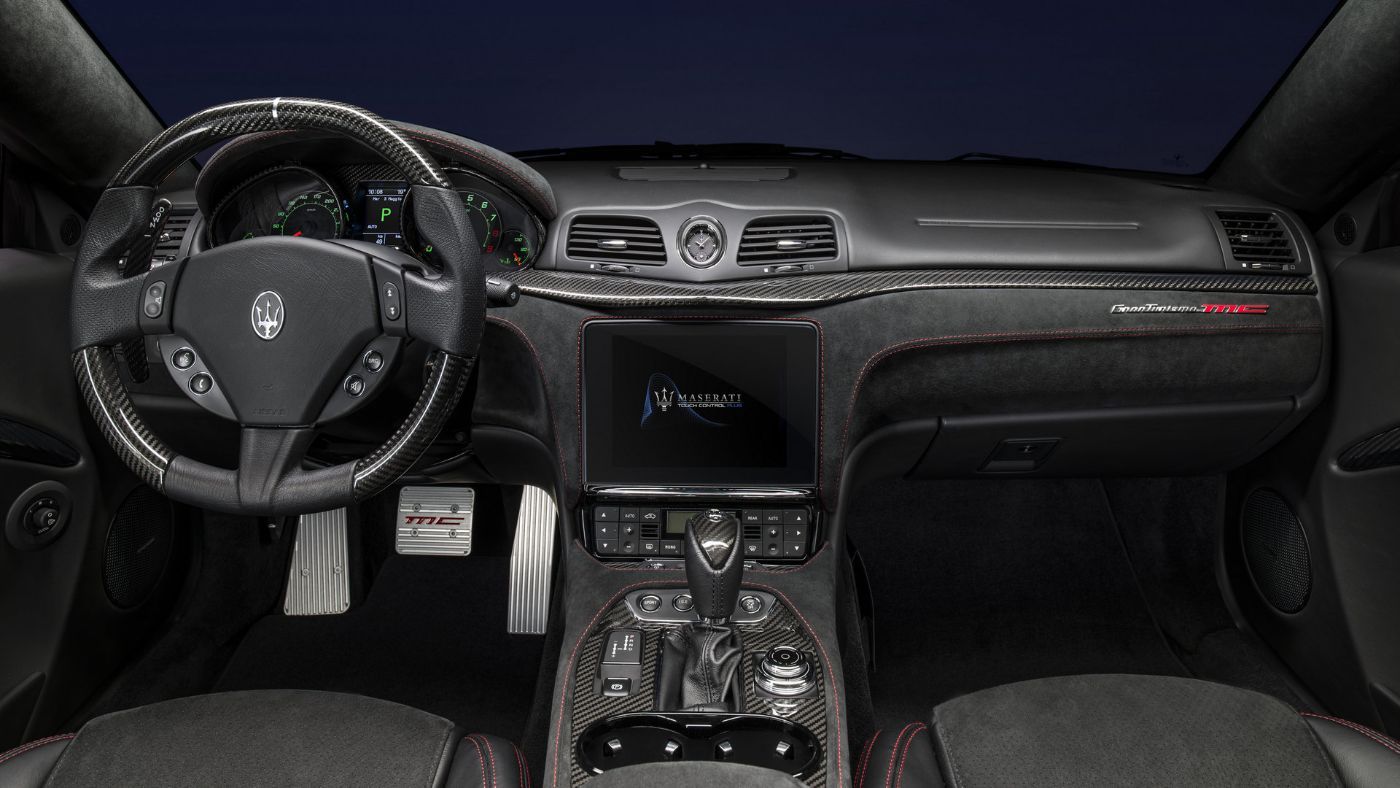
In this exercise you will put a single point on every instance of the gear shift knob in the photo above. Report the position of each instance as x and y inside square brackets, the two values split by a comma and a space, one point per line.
[714, 563]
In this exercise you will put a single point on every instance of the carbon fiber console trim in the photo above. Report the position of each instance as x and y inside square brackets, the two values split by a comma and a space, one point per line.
[780, 628]
[601, 290]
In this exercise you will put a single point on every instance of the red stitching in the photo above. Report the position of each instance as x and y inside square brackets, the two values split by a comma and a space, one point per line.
[481, 761]
[522, 765]
[889, 770]
[909, 742]
[34, 745]
[1001, 337]
[1375, 736]
[544, 385]
[490, 756]
[865, 759]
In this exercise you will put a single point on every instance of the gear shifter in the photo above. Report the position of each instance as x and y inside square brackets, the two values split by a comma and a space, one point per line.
[700, 664]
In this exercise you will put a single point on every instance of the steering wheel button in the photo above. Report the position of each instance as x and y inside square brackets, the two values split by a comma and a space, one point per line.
[201, 383]
[354, 385]
[154, 302]
[183, 358]
[392, 301]
[373, 361]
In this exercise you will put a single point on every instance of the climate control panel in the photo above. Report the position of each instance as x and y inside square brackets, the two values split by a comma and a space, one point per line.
[620, 530]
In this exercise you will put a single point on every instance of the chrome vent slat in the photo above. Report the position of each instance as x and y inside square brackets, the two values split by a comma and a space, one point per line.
[620, 239]
[788, 239]
[1257, 237]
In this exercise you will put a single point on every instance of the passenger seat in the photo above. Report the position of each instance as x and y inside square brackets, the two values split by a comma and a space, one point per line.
[1125, 730]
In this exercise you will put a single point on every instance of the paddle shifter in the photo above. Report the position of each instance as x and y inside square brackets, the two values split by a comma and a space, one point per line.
[701, 661]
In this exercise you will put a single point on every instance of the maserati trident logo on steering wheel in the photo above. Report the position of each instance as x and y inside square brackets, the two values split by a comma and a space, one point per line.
[267, 315]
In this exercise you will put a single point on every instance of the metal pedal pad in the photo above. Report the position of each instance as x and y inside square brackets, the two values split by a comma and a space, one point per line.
[435, 520]
[532, 563]
[319, 583]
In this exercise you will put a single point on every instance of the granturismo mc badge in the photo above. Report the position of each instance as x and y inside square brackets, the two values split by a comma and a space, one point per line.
[1210, 309]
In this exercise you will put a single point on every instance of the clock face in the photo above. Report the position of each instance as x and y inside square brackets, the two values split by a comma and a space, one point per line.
[701, 242]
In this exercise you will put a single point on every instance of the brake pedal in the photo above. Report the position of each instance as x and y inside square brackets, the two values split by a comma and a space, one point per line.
[435, 520]
[532, 563]
[319, 583]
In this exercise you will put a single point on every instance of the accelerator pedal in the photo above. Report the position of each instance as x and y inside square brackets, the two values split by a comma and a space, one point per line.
[532, 563]
[435, 520]
[319, 583]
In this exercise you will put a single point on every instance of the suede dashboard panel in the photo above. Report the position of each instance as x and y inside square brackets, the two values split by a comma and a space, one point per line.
[942, 352]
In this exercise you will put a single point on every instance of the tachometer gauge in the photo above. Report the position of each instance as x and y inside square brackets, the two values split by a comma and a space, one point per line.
[311, 215]
[515, 251]
[486, 219]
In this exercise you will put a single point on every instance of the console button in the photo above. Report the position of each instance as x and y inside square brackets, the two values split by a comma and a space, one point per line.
[794, 517]
[183, 358]
[605, 514]
[672, 750]
[617, 688]
[628, 529]
[649, 603]
[773, 517]
[671, 548]
[373, 361]
[605, 531]
[651, 547]
[201, 383]
[772, 548]
[683, 603]
[753, 549]
[772, 532]
[613, 747]
[629, 514]
[794, 549]
[724, 750]
[750, 603]
[795, 533]
[354, 385]
[650, 514]
[606, 546]
[629, 546]
[752, 517]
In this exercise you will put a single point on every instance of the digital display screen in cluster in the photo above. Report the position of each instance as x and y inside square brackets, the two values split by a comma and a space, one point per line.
[381, 220]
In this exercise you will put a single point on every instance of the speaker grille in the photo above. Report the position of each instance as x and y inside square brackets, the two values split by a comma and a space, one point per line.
[138, 547]
[1277, 551]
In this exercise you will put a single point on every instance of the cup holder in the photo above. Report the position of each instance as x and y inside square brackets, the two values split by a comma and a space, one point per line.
[749, 739]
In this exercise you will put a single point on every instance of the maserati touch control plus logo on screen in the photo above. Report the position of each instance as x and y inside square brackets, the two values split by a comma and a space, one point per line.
[267, 315]
[665, 397]
[1210, 309]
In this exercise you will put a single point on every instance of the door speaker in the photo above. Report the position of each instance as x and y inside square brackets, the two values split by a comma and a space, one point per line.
[1276, 551]
[138, 547]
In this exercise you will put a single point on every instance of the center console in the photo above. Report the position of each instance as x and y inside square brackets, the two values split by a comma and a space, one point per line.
[700, 452]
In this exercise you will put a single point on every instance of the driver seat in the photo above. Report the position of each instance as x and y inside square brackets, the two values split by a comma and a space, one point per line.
[267, 738]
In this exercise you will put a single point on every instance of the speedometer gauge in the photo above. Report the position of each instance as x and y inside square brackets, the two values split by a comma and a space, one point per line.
[311, 215]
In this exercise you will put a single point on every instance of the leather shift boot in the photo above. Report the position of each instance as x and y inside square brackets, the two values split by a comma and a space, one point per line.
[700, 669]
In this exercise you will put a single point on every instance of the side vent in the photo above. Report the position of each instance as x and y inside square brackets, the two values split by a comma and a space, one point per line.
[172, 236]
[1258, 240]
[616, 239]
[784, 240]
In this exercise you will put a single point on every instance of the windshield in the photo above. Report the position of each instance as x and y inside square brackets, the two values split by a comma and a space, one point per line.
[1161, 85]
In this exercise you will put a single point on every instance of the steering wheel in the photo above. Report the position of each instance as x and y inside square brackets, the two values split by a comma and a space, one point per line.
[278, 334]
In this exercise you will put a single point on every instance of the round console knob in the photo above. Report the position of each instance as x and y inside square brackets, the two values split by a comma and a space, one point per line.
[785, 671]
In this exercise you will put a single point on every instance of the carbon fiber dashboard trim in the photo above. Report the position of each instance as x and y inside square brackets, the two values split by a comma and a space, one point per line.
[1378, 451]
[782, 627]
[600, 290]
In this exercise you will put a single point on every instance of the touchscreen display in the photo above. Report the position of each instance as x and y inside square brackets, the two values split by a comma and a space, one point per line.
[700, 404]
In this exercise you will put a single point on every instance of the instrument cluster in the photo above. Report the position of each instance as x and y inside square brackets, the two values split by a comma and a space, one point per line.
[294, 200]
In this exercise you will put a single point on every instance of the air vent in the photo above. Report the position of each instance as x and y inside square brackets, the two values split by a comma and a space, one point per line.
[172, 236]
[616, 239]
[778, 240]
[1258, 240]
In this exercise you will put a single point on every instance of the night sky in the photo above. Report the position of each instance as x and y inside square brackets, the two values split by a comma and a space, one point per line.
[1146, 84]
